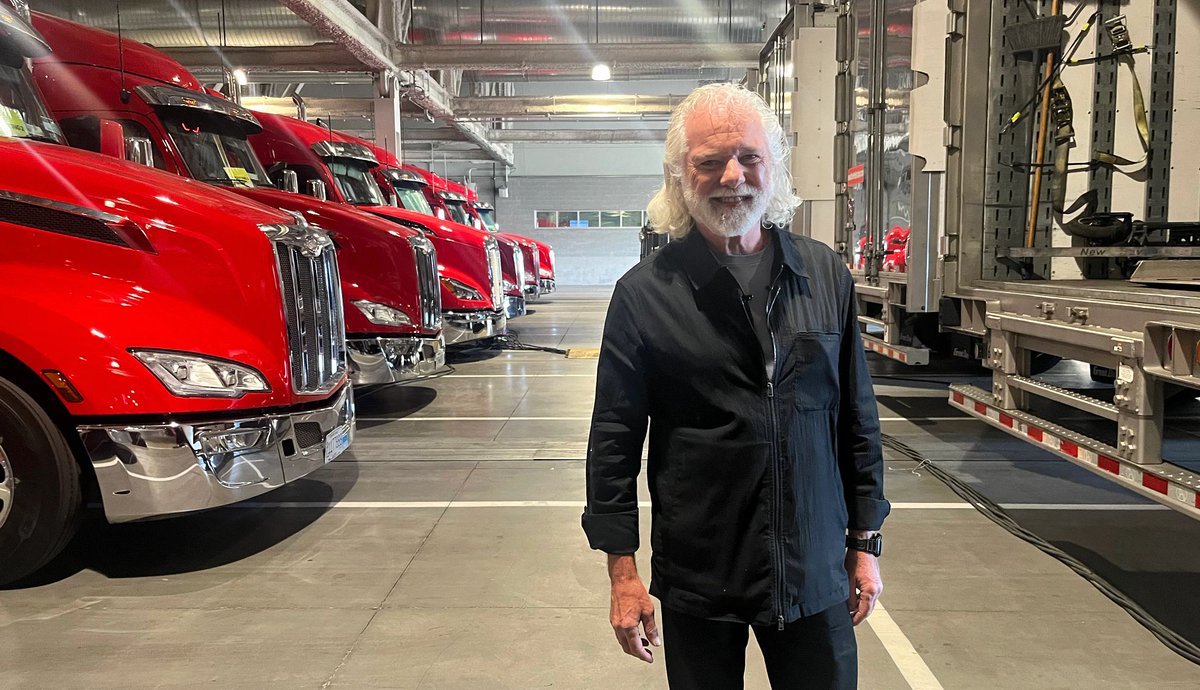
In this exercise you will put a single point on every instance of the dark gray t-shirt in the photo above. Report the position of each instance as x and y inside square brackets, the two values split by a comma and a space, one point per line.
[753, 273]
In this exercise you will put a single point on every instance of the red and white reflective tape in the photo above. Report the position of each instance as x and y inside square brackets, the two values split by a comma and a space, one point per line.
[1091, 454]
[889, 352]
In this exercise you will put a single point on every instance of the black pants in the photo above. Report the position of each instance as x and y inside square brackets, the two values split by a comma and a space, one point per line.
[818, 652]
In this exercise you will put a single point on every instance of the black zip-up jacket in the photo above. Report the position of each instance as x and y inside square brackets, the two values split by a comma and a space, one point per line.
[753, 483]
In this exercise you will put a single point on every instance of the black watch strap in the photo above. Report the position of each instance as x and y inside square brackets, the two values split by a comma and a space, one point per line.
[872, 545]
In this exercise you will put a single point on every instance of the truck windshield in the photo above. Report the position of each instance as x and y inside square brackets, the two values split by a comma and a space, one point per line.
[22, 114]
[412, 198]
[355, 183]
[459, 213]
[489, 218]
[215, 150]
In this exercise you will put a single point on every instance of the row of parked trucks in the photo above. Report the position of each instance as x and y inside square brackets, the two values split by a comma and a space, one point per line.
[181, 326]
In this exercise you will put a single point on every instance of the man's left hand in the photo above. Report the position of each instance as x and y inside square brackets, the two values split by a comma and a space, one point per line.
[865, 583]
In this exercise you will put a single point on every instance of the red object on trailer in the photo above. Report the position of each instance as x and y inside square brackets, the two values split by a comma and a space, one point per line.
[389, 273]
[150, 343]
[468, 259]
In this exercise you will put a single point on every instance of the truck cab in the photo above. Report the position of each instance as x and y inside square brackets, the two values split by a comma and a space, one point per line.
[468, 260]
[156, 355]
[389, 273]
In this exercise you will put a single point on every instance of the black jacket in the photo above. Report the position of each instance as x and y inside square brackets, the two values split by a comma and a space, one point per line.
[753, 483]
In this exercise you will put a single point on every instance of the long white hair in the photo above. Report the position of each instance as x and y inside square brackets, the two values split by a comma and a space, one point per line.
[667, 210]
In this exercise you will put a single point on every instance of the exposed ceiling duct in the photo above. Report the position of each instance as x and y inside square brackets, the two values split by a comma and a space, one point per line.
[577, 56]
[646, 21]
[592, 105]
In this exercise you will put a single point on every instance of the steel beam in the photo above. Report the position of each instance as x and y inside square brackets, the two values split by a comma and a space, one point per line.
[506, 106]
[576, 56]
[322, 57]
[546, 136]
[342, 22]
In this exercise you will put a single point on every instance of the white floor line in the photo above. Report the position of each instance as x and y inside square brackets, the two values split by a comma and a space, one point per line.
[963, 418]
[506, 504]
[910, 664]
[474, 419]
[518, 376]
[408, 505]
[1084, 506]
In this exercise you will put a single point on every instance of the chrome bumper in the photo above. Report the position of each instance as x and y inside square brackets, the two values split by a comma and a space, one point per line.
[164, 469]
[465, 326]
[514, 306]
[547, 285]
[390, 360]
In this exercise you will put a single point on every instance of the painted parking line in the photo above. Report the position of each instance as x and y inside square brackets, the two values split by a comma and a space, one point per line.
[962, 418]
[411, 505]
[910, 664]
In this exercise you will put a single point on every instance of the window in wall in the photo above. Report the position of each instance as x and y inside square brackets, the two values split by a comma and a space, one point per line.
[589, 219]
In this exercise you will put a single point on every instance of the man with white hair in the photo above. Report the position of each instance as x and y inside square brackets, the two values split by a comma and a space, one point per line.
[738, 347]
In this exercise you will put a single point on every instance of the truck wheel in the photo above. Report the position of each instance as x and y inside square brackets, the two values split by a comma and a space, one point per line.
[39, 486]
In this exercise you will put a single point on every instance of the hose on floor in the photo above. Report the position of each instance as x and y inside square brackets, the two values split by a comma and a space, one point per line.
[992, 511]
[512, 341]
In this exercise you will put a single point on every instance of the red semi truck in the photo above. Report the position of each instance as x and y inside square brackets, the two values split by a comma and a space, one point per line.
[408, 187]
[389, 272]
[468, 260]
[512, 263]
[165, 346]
[453, 200]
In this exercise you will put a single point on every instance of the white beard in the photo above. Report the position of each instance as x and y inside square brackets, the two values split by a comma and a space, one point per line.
[727, 222]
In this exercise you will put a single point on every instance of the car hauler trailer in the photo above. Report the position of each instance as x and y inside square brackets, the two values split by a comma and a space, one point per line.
[389, 272]
[1043, 163]
[468, 260]
[165, 346]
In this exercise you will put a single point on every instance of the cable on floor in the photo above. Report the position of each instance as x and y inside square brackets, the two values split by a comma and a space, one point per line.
[992, 511]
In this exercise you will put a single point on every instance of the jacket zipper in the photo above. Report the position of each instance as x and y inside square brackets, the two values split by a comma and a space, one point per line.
[776, 464]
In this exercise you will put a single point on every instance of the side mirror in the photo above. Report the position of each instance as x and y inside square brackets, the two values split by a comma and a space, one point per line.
[112, 139]
[139, 150]
[441, 212]
[316, 188]
[393, 200]
[289, 181]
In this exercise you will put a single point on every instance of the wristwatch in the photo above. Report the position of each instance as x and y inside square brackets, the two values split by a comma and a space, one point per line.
[872, 545]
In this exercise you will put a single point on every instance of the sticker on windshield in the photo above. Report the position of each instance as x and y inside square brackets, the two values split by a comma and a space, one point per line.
[240, 176]
[12, 124]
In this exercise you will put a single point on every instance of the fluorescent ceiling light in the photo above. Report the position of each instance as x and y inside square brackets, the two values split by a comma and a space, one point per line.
[601, 72]
[239, 75]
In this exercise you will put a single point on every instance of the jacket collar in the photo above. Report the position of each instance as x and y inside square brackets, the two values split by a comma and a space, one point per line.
[701, 266]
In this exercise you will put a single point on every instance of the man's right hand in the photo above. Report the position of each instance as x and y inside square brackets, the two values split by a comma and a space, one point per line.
[631, 611]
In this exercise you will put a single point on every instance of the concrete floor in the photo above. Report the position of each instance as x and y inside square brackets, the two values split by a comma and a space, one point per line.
[444, 551]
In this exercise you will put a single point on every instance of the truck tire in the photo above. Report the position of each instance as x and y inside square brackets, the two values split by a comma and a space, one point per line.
[40, 498]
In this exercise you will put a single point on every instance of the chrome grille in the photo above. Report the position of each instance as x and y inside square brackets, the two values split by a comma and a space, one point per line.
[534, 268]
[519, 266]
[312, 303]
[427, 282]
[495, 275]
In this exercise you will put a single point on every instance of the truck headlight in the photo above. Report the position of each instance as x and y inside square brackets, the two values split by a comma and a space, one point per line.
[381, 314]
[509, 286]
[190, 375]
[461, 290]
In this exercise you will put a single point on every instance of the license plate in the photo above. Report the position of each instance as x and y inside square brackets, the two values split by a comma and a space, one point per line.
[336, 442]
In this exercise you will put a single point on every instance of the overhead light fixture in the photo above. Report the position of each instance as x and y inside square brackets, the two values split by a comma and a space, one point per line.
[600, 71]
[239, 75]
